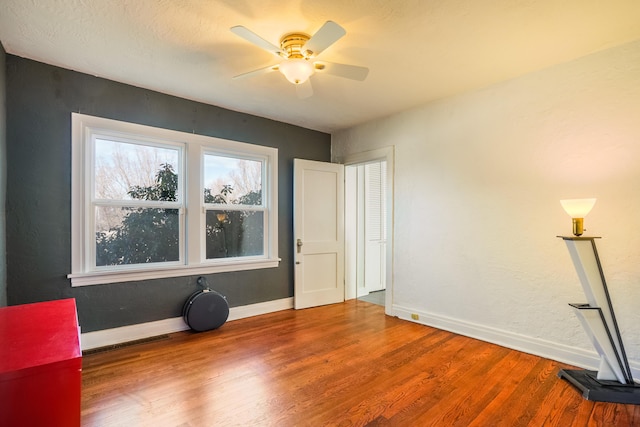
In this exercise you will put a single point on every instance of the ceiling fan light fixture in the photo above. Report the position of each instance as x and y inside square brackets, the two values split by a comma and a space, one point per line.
[297, 70]
[297, 50]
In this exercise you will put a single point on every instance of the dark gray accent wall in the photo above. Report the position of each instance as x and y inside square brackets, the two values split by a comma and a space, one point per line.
[40, 100]
[3, 178]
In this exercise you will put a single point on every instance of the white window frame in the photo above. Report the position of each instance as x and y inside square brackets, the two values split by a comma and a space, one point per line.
[192, 208]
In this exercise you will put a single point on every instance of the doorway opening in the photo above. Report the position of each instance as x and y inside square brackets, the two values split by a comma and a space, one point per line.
[368, 227]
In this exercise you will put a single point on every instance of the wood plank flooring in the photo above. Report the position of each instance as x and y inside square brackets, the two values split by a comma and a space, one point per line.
[340, 365]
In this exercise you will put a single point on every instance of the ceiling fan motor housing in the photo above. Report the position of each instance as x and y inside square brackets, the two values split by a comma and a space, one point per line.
[292, 44]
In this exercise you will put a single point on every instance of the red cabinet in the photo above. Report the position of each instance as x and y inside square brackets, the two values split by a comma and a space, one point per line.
[40, 364]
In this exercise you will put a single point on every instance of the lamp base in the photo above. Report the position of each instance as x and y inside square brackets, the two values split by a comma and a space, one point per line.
[599, 390]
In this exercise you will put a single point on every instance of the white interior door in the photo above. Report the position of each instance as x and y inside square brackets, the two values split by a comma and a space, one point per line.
[318, 216]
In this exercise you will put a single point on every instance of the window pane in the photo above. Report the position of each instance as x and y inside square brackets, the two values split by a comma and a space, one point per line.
[230, 180]
[126, 171]
[142, 235]
[234, 233]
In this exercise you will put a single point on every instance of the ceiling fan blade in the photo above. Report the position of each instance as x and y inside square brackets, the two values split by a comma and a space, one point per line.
[304, 90]
[352, 72]
[252, 37]
[327, 35]
[257, 72]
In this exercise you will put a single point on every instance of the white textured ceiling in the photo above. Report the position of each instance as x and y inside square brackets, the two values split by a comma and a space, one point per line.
[417, 50]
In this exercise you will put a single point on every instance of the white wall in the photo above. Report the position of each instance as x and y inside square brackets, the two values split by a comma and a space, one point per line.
[478, 179]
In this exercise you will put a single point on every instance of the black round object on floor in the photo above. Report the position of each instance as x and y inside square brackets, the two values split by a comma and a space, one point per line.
[206, 310]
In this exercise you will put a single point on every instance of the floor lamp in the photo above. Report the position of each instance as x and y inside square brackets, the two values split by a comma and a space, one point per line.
[613, 381]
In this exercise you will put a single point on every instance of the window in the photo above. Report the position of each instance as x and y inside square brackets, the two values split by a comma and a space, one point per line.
[150, 203]
[234, 209]
[135, 202]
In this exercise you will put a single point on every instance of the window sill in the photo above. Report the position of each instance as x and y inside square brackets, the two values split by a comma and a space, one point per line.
[104, 277]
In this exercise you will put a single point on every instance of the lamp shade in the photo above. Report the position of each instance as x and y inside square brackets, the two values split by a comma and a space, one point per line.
[578, 208]
[297, 70]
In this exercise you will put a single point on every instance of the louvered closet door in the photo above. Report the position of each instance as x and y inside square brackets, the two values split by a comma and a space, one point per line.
[375, 223]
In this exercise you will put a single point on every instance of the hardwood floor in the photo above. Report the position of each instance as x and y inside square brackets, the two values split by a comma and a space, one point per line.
[342, 365]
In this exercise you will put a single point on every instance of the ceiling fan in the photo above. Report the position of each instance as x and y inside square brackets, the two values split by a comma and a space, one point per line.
[299, 51]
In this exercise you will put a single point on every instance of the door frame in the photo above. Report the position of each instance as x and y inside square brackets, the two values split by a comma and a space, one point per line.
[387, 154]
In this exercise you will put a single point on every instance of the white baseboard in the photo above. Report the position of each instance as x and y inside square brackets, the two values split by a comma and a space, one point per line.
[107, 337]
[243, 311]
[550, 350]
